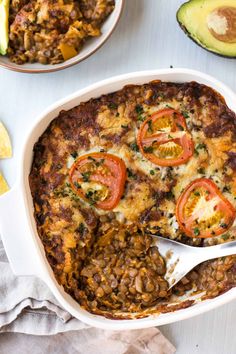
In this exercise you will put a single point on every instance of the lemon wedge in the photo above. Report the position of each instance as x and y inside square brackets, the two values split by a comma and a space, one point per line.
[5, 143]
[3, 185]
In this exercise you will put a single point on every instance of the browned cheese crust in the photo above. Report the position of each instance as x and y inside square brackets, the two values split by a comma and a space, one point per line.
[103, 259]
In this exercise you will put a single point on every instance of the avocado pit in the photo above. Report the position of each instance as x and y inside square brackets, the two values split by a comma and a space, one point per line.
[222, 24]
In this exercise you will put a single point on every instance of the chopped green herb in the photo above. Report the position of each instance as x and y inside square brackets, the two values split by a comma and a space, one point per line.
[89, 194]
[67, 192]
[57, 192]
[201, 170]
[141, 118]
[185, 114]
[201, 146]
[227, 189]
[150, 126]
[81, 228]
[134, 146]
[225, 236]
[92, 196]
[197, 194]
[223, 225]
[196, 231]
[170, 195]
[112, 105]
[131, 174]
[74, 154]
[139, 109]
[148, 149]
[86, 176]
[152, 172]
[180, 126]
[77, 185]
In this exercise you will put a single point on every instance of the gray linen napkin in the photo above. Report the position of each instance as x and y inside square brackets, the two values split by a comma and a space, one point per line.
[27, 306]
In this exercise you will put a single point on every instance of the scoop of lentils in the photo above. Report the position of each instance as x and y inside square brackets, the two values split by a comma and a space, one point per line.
[124, 272]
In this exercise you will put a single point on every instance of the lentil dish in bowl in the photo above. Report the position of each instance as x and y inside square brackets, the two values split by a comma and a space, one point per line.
[156, 158]
[202, 290]
[57, 33]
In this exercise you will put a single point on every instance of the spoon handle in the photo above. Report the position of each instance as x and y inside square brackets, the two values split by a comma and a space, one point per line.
[225, 249]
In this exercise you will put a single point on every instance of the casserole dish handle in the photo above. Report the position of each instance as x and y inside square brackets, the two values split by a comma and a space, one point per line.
[16, 236]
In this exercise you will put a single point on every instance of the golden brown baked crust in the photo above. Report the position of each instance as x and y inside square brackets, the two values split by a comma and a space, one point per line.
[70, 228]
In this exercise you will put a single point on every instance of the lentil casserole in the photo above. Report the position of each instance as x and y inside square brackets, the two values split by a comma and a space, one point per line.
[52, 31]
[103, 258]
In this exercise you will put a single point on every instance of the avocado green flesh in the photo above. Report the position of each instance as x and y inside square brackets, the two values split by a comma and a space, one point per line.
[192, 17]
[4, 15]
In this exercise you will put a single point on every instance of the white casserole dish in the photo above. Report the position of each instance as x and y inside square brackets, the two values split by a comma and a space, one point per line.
[17, 226]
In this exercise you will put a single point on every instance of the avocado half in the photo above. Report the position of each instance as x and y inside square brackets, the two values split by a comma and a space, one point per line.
[4, 26]
[211, 24]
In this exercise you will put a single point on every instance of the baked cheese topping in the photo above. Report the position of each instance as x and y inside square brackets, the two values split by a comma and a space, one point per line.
[70, 227]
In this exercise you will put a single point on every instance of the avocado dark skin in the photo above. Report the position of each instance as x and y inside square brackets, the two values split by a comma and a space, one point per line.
[183, 26]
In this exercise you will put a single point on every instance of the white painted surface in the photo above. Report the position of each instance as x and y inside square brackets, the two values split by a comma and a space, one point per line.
[148, 37]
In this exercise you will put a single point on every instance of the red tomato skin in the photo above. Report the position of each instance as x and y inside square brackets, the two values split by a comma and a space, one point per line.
[186, 142]
[116, 184]
[213, 189]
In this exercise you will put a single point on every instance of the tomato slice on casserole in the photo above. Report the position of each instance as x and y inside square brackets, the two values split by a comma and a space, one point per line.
[164, 138]
[202, 211]
[99, 178]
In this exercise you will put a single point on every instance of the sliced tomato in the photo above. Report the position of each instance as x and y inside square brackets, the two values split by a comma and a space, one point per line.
[164, 138]
[202, 211]
[99, 178]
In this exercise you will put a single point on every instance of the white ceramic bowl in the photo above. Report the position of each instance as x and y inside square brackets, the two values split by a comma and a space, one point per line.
[17, 225]
[90, 46]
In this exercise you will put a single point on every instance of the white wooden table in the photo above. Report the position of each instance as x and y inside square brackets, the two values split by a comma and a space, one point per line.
[147, 37]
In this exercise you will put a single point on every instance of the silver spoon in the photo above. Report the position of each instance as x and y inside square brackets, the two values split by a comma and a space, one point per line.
[181, 258]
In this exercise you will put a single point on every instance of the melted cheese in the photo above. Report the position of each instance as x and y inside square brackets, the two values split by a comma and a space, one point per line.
[135, 202]
[209, 158]
[112, 123]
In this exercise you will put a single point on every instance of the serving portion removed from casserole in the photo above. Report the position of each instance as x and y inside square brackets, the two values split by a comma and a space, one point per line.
[158, 158]
[50, 31]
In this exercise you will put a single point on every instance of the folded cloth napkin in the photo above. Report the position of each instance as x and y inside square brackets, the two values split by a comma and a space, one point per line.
[27, 306]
